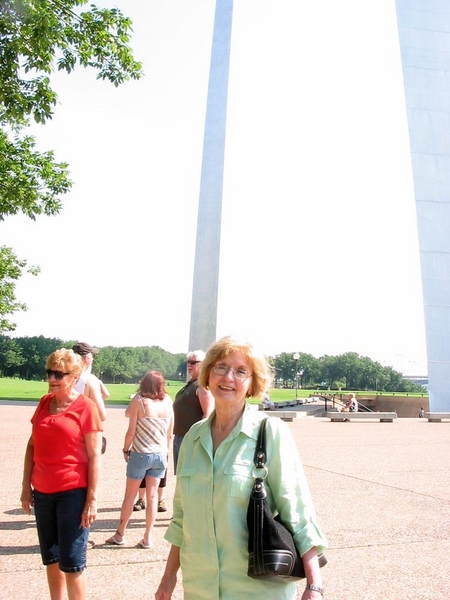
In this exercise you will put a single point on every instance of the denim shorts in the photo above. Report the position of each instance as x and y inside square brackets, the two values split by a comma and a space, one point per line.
[58, 519]
[146, 465]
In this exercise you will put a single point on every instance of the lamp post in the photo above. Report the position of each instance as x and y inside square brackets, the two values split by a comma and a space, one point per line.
[300, 374]
[296, 356]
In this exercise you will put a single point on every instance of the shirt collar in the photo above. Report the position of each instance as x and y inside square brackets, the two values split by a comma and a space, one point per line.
[245, 425]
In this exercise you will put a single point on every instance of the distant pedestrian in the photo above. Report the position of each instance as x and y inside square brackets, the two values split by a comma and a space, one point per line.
[421, 412]
[351, 405]
[267, 402]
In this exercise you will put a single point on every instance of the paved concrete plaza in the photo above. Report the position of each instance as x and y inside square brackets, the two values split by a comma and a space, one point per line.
[381, 491]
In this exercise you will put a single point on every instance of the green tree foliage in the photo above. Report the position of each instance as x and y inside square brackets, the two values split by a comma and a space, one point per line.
[347, 371]
[128, 364]
[288, 371]
[11, 269]
[25, 357]
[284, 369]
[11, 357]
[30, 181]
[37, 37]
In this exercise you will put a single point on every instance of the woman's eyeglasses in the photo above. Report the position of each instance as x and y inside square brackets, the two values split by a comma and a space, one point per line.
[58, 375]
[240, 374]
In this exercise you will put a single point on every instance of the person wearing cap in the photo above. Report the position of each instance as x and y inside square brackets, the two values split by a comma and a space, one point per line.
[88, 384]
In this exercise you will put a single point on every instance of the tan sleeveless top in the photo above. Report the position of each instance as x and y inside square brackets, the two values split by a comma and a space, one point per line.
[151, 434]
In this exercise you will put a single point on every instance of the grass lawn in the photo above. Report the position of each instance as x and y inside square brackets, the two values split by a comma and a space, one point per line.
[20, 389]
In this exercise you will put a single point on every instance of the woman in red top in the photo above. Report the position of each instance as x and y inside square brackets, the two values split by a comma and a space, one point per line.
[61, 474]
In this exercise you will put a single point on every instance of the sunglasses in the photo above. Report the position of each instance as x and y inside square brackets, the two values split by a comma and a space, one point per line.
[58, 375]
[193, 362]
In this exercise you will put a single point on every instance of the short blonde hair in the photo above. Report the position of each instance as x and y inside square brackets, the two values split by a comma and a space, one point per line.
[262, 372]
[65, 360]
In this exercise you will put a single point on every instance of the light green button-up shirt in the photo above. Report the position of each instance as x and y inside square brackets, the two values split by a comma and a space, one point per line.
[210, 508]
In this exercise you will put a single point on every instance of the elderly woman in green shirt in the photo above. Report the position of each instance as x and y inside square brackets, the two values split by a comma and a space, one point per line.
[208, 533]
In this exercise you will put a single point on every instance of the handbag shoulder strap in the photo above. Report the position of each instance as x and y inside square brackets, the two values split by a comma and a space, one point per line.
[260, 457]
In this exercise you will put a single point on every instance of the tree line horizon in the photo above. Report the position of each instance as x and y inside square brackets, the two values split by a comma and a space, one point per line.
[24, 358]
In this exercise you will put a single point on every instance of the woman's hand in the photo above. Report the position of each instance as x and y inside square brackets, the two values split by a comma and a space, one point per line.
[313, 575]
[93, 442]
[165, 590]
[26, 499]
[89, 514]
[311, 595]
[169, 579]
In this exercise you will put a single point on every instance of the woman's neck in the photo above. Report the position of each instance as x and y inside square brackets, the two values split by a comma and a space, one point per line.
[63, 399]
[228, 416]
[224, 422]
[60, 404]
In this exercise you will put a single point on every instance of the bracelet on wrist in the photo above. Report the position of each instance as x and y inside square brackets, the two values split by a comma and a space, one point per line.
[315, 588]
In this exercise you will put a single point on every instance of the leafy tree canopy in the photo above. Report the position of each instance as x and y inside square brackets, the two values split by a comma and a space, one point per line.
[347, 371]
[11, 269]
[25, 357]
[36, 38]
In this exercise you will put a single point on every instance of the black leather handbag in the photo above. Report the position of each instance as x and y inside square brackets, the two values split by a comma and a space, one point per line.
[272, 551]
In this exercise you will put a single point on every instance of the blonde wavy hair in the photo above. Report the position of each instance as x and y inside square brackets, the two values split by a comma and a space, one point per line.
[65, 360]
[262, 372]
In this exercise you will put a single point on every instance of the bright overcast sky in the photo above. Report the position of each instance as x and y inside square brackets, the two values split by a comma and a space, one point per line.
[319, 248]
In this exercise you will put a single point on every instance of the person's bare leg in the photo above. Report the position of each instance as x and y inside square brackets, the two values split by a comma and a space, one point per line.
[76, 585]
[151, 487]
[126, 511]
[160, 493]
[56, 582]
[127, 504]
